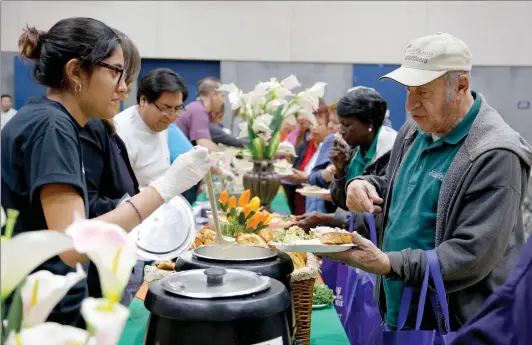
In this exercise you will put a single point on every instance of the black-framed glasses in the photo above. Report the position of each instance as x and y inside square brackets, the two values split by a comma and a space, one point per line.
[170, 111]
[114, 68]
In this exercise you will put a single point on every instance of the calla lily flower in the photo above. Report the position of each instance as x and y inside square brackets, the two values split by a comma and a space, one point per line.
[234, 95]
[2, 217]
[291, 82]
[273, 104]
[262, 123]
[24, 252]
[110, 249]
[104, 319]
[42, 291]
[309, 99]
[51, 333]
[243, 126]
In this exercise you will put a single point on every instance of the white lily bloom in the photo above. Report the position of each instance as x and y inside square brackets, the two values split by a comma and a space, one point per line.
[2, 217]
[273, 104]
[111, 250]
[309, 99]
[262, 123]
[106, 320]
[263, 88]
[291, 109]
[309, 115]
[290, 82]
[51, 333]
[42, 291]
[243, 126]
[24, 252]
[234, 95]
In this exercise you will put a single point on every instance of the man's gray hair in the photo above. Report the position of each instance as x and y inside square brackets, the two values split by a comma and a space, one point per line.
[451, 81]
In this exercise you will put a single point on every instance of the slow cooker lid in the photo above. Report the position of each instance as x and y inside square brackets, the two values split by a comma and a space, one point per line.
[234, 253]
[215, 282]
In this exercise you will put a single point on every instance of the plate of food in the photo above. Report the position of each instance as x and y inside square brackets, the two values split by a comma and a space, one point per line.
[283, 167]
[319, 240]
[313, 191]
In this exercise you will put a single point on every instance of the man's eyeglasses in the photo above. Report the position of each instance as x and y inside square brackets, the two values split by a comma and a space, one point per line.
[119, 71]
[170, 111]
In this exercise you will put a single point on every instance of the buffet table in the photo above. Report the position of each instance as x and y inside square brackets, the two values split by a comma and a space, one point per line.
[326, 328]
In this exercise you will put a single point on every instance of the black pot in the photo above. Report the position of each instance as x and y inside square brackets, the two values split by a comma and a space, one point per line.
[217, 306]
[265, 261]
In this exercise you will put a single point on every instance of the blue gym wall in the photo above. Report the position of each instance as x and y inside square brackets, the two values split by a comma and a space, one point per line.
[394, 93]
[191, 70]
[24, 85]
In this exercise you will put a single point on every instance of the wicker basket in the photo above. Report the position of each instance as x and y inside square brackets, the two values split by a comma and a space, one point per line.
[302, 281]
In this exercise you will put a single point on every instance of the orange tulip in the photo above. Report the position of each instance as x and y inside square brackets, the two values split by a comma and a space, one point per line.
[223, 198]
[268, 219]
[254, 204]
[253, 222]
[246, 210]
[244, 198]
[232, 202]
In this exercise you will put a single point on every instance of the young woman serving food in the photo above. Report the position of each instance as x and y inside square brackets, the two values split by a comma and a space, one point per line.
[80, 61]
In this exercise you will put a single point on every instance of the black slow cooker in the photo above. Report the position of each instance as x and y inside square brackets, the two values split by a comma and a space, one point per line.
[262, 260]
[217, 306]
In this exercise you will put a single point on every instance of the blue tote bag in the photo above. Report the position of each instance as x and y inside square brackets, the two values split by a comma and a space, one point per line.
[417, 336]
[355, 303]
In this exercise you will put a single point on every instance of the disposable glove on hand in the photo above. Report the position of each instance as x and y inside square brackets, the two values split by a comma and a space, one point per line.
[186, 170]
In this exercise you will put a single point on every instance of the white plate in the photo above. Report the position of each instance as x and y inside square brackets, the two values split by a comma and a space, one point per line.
[311, 248]
[319, 306]
[285, 173]
[319, 193]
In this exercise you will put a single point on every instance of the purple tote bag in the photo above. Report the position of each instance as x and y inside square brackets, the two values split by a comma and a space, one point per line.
[417, 336]
[354, 302]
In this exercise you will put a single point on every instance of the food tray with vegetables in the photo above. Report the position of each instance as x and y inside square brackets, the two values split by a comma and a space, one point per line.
[319, 240]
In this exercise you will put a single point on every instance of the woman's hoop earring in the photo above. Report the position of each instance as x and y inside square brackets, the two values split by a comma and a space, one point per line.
[77, 88]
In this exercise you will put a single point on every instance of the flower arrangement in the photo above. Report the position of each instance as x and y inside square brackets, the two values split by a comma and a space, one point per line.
[35, 295]
[266, 108]
[242, 216]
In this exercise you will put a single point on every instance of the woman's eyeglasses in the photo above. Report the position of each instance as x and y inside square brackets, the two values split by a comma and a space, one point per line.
[118, 70]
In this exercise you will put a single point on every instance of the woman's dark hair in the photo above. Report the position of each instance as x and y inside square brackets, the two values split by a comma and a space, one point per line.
[131, 57]
[364, 103]
[158, 81]
[85, 39]
[131, 69]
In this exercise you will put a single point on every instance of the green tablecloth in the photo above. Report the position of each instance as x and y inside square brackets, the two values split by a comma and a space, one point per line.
[326, 328]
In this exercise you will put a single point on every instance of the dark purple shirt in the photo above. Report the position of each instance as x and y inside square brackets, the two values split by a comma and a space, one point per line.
[195, 122]
[505, 317]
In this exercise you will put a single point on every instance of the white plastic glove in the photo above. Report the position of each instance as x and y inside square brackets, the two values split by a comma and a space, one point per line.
[186, 170]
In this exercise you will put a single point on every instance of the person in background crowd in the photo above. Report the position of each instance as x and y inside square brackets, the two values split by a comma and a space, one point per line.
[144, 127]
[365, 145]
[299, 139]
[195, 120]
[80, 61]
[307, 156]
[323, 171]
[7, 109]
[108, 173]
[178, 143]
[364, 149]
[195, 123]
[220, 136]
[455, 183]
